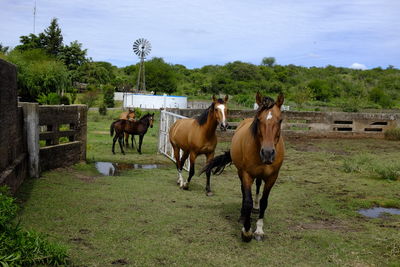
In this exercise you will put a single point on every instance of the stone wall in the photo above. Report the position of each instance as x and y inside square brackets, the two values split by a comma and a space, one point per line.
[13, 149]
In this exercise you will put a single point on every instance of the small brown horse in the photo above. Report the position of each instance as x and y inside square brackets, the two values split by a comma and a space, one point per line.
[138, 127]
[196, 136]
[257, 151]
[130, 116]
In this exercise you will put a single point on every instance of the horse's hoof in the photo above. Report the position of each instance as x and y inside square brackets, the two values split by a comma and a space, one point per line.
[255, 210]
[209, 194]
[185, 186]
[247, 237]
[259, 237]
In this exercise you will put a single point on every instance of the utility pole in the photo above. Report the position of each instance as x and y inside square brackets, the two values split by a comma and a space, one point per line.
[34, 18]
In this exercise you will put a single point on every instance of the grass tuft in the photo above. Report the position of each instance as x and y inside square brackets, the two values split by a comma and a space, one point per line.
[393, 134]
[389, 171]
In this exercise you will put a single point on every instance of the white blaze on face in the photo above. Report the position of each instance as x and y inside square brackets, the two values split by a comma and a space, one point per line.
[222, 108]
[269, 116]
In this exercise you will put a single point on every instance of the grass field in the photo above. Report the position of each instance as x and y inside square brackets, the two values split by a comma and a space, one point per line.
[141, 218]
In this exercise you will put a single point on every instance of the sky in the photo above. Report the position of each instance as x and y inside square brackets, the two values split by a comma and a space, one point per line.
[361, 34]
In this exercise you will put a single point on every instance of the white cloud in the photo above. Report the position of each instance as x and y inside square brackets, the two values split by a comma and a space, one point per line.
[358, 66]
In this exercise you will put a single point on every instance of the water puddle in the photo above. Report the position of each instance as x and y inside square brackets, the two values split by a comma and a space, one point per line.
[378, 211]
[114, 169]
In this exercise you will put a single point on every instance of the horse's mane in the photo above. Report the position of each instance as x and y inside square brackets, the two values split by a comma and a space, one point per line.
[202, 118]
[144, 117]
[267, 103]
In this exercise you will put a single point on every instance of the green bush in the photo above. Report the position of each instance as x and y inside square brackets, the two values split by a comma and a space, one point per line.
[138, 113]
[64, 100]
[49, 99]
[89, 98]
[24, 248]
[103, 110]
[393, 134]
[108, 95]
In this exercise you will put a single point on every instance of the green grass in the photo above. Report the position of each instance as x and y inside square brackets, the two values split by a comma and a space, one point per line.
[143, 219]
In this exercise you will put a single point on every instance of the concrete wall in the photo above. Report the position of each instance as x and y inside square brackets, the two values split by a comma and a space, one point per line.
[317, 124]
[13, 150]
[155, 101]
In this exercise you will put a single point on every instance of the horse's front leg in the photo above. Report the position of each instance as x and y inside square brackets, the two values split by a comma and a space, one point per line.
[209, 157]
[256, 206]
[247, 206]
[259, 233]
[140, 143]
[133, 141]
[180, 164]
[126, 140]
[192, 159]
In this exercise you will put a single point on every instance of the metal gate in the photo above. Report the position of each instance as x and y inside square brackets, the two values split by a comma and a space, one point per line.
[164, 146]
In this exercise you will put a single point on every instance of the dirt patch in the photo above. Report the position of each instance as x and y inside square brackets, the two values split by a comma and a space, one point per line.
[306, 146]
[324, 225]
[81, 241]
[79, 175]
[120, 262]
[85, 231]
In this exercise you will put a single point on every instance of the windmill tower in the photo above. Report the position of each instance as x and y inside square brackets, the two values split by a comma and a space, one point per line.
[142, 48]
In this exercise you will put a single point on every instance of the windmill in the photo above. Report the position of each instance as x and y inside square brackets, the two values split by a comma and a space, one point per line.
[142, 48]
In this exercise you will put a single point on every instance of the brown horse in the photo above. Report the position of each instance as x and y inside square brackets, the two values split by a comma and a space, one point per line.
[257, 151]
[130, 116]
[196, 136]
[138, 127]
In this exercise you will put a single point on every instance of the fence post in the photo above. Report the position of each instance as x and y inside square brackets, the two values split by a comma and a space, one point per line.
[31, 128]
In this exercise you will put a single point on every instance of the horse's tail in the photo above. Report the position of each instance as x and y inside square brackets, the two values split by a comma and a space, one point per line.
[218, 164]
[112, 128]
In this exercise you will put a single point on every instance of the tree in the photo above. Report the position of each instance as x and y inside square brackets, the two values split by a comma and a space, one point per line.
[3, 49]
[241, 71]
[160, 76]
[268, 61]
[108, 96]
[38, 73]
[29, 42]
[73, 55]
[53, 39]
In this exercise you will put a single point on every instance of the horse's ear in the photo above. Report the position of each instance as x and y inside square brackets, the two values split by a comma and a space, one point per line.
[280, 100]
[226, 98]
[259, 99]
[214, 99]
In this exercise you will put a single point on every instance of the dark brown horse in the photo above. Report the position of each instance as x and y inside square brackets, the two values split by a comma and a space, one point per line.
[196, 136]
[138, 127]
[257, 151]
